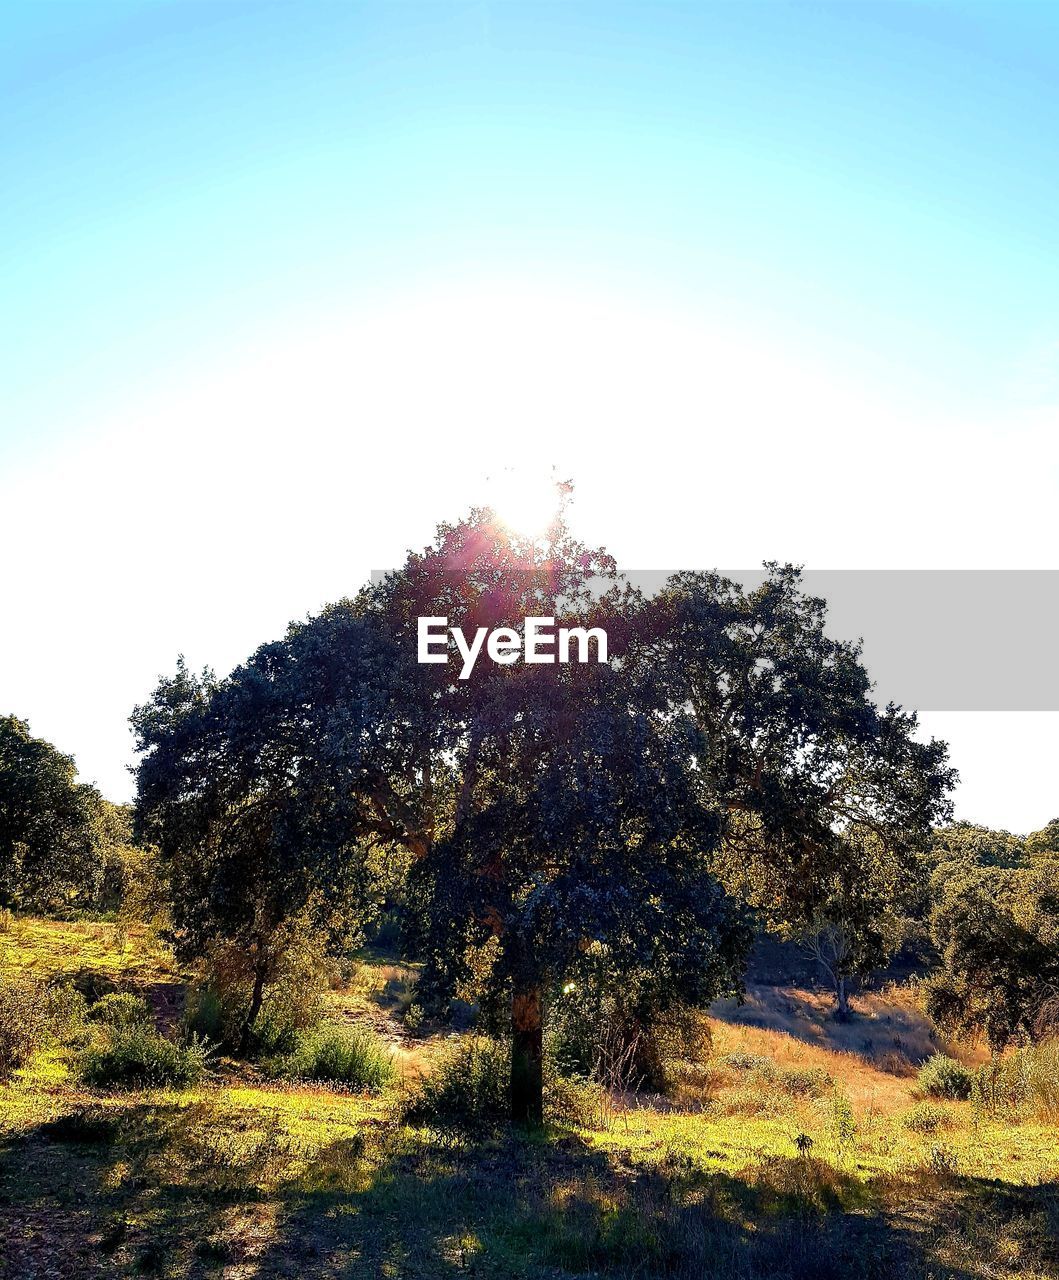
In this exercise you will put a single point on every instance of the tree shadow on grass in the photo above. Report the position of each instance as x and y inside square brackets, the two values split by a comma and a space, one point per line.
[560, 1209]
[888, 1036]
[187, 1190]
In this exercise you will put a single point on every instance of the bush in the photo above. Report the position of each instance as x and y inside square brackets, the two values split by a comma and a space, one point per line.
[204, 1016]
[574, 1100]
[752, 1099]
[927, 1117]
[805, 1082]
[138, 1057]
[293, 994]
[356, 1058]
[467, 1091]
[1041, 1068]
[120, 1009]
[66, 1012]
[1024, 1082]
[597, 1035]
[696, 1084]
[750, 1062]
[942, 1077]
[24, 1023]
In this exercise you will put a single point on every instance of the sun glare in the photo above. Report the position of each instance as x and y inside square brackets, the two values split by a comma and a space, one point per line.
[526, 501]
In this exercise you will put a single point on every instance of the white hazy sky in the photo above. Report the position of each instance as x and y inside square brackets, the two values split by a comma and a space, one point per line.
[283, 284]
[203, 515]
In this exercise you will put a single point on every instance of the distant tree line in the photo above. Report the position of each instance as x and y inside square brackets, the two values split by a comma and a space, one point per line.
[994, 918]
[63, 846]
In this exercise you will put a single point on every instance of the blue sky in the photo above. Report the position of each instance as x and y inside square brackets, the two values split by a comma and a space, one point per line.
[285, 283]
[880, 178]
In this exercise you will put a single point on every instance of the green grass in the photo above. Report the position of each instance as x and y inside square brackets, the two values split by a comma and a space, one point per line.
[351, 1057]
[790, 1161]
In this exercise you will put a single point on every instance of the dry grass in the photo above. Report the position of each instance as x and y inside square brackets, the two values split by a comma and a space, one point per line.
[889, 1027]
[48, 949]
[866, 1084]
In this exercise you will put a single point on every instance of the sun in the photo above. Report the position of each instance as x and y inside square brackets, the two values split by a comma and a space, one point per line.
[526, 501]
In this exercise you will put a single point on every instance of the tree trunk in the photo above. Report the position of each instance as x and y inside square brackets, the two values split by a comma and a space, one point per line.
[527, 1057]
[843, 997]
[256, 998]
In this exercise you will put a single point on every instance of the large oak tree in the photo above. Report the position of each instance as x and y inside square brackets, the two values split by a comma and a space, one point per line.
[547, 810]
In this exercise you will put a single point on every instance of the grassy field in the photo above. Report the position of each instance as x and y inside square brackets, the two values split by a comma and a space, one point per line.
[798, 1149]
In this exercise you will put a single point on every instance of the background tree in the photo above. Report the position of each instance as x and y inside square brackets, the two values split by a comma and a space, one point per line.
[965, 844]
[1044, 841]
[997, 933]
[861, 923]
[255, 821]
[828, 799]
[51, 826]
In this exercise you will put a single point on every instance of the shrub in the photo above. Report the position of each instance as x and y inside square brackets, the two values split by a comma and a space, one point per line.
[355, 1057]
[293, 995]
[999, 1086]
[288, 1013]
[204, 1015]
[1041, 1069]
[695, 1084]
[942, 1077]
[1023, 1082]
[138, 1057]
[467, 1091]
[597, 1034]
[573, 1100]
[756, 1095]
[120, 1009]
[927, 1117]
[66, 1011]
[805, 1082]
[749, 1062]
[24, 1023]
[842, 1125]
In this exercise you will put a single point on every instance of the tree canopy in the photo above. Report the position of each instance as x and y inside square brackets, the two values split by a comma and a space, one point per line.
[997, 931]
[994, 919]
[53, 829]
[628, 810]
